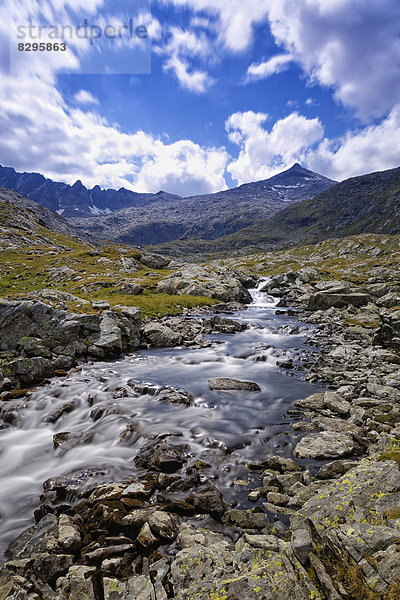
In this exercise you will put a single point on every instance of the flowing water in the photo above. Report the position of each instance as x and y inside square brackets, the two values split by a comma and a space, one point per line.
[225, 429]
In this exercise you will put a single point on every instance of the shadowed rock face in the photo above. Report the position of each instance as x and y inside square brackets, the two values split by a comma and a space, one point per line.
[41, 339]
[388, 334]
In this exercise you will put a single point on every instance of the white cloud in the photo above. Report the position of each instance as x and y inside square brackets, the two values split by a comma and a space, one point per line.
[263, 152]
[40, 132]
[351, 46]
[181, 46]
[193, 80]
[236, 18]
[267, 151]
[201, 22]
[85, 97]
[262, 70]
[371, 149]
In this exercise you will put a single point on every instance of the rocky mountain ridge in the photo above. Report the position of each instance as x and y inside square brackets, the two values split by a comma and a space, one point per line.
[73, 200]
[134, 218]
[366, 204]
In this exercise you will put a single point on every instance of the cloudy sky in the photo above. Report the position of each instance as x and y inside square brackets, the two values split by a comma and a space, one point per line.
[239, 90]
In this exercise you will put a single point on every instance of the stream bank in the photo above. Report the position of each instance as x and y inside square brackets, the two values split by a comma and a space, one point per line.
[165, 530]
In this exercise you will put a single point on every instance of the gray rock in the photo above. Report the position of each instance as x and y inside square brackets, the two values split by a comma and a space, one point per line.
[28, 371]
[210, 569]
[69, 534]
[350, 516]
[161, 336]
[227, 384]
[77, 584]
[129, 288]
[100, 554]
[145, 537]
[130, 265]
[314, 402]
[100, 305]
[67, 440]
[302, 544]
[338, 299]
[276, 463]
[224, 325]
[195, 280]
[138, 587]
[327, 444]
[59, 412]
[38, 539]
[277, 498]
[336, 403]
[154, 261]
[207, 499]
[336, 469]
[246, 519]
[74, 483]
[163, 525]
[175, 397]
[162, 456]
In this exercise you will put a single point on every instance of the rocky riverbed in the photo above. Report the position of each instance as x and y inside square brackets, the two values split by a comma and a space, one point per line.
[314, 472]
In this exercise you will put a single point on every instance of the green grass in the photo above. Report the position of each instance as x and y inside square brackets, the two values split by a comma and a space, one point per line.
[350, 258]
[25, 270]
[390, 455]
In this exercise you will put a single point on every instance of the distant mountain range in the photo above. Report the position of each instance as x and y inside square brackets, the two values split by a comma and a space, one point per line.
[365, 204]
[73, 200]
[294, 207]
[155, 218]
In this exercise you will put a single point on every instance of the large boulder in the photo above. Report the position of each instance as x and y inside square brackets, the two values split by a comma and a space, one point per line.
[154, 261]
[195, 280]
[41, 339]
[209, 566]
[337, 298]
[326, 444]
[226, 384]
[356, 519]
[161, 336]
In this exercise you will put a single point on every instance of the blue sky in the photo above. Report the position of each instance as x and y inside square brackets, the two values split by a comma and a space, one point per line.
[238, 91]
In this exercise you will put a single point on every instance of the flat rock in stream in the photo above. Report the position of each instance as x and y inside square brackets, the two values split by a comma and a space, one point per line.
[226, 384]
[79, 483]
[327, 444]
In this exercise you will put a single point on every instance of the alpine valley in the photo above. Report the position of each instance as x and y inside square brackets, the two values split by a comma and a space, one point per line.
[155, 218]
[200, 397]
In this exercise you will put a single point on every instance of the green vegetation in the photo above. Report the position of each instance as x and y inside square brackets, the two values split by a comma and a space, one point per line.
[390, 455]
[96, 274]
[353, 259]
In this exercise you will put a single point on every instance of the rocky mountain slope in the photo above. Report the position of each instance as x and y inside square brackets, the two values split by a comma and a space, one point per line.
[155, 218]
[25, 223]
[209, 216]
[370, 203]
